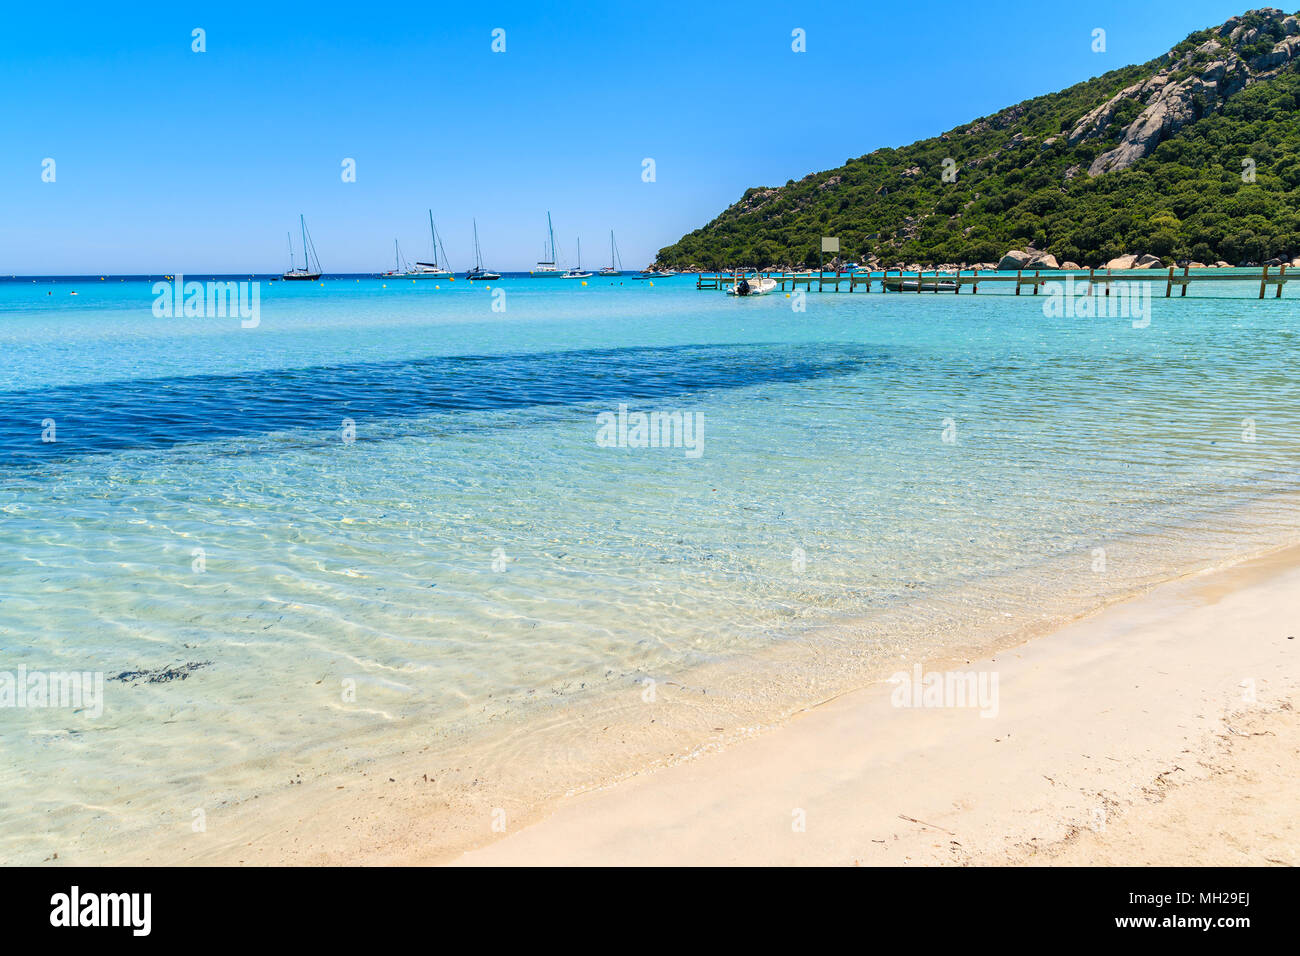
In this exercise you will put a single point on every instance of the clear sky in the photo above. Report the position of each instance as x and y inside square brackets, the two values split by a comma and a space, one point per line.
[170, 160]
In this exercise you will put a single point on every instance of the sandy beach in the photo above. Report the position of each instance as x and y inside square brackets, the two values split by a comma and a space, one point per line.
[1158, 731]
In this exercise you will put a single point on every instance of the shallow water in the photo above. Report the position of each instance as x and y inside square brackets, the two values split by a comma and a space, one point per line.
[466, 551]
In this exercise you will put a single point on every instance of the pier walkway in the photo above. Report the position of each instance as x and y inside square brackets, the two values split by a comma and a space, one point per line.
[896, 280]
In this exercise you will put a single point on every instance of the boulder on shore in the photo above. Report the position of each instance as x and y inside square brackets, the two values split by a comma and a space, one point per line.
[1122, 262]
[1149, 262]
[1072, 266]
[1015, 259]
[1043, 260]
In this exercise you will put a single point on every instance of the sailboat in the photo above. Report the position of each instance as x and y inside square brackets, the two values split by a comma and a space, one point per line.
[399, 269]
[478, 272]
[576, 272]
[546, 268]
[308, 253]
[615, 267]
[431, 270]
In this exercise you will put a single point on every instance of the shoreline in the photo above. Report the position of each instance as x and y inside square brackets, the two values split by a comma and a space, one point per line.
[1099, 723]
[433, 804]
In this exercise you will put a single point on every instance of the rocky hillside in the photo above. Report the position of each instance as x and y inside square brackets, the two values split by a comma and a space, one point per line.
[1192, 156]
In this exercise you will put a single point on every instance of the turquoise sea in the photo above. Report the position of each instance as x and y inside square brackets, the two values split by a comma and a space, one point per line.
[381, 519]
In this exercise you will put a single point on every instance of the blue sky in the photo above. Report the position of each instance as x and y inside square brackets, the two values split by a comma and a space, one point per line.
[170, 160]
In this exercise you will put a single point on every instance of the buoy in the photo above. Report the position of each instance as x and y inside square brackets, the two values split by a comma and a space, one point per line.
[437, 287]
[385, 285]
[584, 281]
[651, 283]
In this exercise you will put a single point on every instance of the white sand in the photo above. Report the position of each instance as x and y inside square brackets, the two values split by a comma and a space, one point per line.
[1127, 737]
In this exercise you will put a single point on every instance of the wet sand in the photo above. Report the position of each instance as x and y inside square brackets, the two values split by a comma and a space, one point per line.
[1157, 731]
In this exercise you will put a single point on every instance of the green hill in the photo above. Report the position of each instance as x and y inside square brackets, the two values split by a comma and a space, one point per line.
[1192, 156]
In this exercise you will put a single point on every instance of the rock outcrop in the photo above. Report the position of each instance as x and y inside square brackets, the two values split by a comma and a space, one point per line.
[1195, 85]
[1015, 259]
[1032, 259]
[1028, 259]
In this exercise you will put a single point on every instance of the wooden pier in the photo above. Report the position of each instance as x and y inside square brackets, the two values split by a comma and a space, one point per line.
[896, 280]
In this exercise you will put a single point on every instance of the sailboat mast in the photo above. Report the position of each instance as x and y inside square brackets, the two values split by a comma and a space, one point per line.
[289, 236]
[306, 262]
[551, 232]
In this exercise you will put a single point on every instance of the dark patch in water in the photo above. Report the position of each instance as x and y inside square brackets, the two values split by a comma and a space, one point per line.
[161, 675]
[105, 417]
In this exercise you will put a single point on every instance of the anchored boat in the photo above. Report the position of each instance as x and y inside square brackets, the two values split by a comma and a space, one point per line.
[308, 254]
[576, 272]
[478, 272]
[917, 284]
[615, 267]
[546, 268]
[431, 270]
[745, 286]
[400, 268]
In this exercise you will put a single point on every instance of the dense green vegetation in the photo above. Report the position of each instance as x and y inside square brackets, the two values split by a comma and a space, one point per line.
[1020, 183]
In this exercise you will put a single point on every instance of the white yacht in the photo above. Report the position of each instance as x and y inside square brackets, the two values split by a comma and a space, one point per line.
[546, 268]
[432, 270]
[576, 272]
[615, 267]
